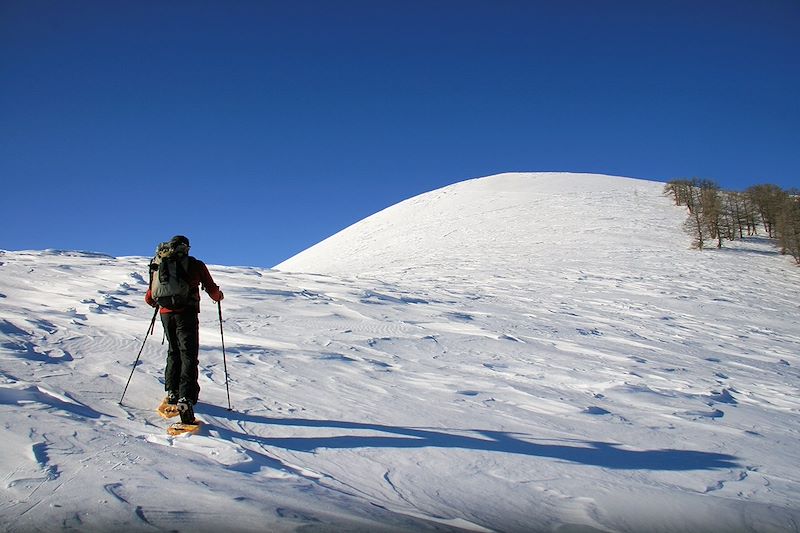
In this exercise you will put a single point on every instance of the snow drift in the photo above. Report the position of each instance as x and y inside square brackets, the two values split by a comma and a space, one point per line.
[524, 352]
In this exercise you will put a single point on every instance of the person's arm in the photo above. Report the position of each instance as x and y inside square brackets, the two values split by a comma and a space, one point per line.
[208, 283]
[148, 296]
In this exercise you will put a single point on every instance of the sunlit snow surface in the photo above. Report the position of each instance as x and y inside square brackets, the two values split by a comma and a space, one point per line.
[526, 352]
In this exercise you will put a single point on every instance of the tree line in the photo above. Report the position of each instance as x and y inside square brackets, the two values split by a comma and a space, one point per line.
[716, 215]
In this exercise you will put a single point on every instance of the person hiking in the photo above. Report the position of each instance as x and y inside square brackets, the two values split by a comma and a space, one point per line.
[175, 278]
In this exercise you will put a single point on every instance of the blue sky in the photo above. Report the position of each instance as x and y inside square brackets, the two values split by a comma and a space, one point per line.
[258, 128]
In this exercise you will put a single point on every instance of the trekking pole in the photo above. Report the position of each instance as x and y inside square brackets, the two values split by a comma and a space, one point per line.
[224, 361]
[149, 332]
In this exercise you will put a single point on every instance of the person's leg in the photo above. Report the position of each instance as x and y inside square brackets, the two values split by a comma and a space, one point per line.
[187, 330]
[172, 372]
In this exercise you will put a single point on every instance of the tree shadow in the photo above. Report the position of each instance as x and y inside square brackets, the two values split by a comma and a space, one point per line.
[771, 246]
[592, 453]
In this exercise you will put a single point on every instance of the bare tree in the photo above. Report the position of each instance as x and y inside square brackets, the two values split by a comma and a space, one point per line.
[711, 210]
[714, 214]
[734, 213]
[787, 225]
[750, 215]
[681, 191]
[768, 200]
[694, 224]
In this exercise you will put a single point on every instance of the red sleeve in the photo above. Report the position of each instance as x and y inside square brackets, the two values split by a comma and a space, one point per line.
[208, 282]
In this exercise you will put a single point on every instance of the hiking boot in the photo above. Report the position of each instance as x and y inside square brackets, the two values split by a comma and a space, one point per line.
[186, 411]
[172, 398]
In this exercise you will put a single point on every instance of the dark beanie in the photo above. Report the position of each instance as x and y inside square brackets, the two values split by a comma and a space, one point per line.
[179, 239]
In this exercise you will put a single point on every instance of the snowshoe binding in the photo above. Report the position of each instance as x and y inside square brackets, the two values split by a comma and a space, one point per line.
[169, 406]
[188, 423]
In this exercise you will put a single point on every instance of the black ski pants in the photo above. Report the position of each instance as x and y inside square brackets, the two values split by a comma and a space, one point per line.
[182, 330]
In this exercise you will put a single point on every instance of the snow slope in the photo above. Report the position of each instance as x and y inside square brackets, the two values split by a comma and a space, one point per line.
[523, 223]
[534, 352]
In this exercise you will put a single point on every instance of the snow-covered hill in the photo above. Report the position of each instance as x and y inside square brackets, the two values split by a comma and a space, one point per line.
[523, 223]
[525, 352]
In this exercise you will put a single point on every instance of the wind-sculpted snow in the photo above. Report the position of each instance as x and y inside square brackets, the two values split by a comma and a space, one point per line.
[614, 384]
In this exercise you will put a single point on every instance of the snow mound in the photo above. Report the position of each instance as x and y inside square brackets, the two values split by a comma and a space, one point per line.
[517, 221]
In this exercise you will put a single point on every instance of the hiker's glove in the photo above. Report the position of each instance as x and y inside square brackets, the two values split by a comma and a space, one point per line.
[217, 296]
[149, 300]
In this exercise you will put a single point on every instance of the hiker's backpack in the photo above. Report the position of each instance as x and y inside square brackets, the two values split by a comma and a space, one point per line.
[169, 276]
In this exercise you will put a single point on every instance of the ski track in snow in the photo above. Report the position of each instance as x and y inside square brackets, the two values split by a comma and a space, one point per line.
[609, 388]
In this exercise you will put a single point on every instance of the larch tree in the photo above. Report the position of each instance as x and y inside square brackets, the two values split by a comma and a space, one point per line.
[787, 225]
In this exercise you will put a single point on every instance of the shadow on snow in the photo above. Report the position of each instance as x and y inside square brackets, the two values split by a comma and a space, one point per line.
[602, 454]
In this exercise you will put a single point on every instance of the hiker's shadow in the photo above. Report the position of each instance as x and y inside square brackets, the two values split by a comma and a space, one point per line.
[593, 453]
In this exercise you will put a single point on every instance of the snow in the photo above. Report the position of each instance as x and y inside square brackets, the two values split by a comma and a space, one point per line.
[522, 352]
